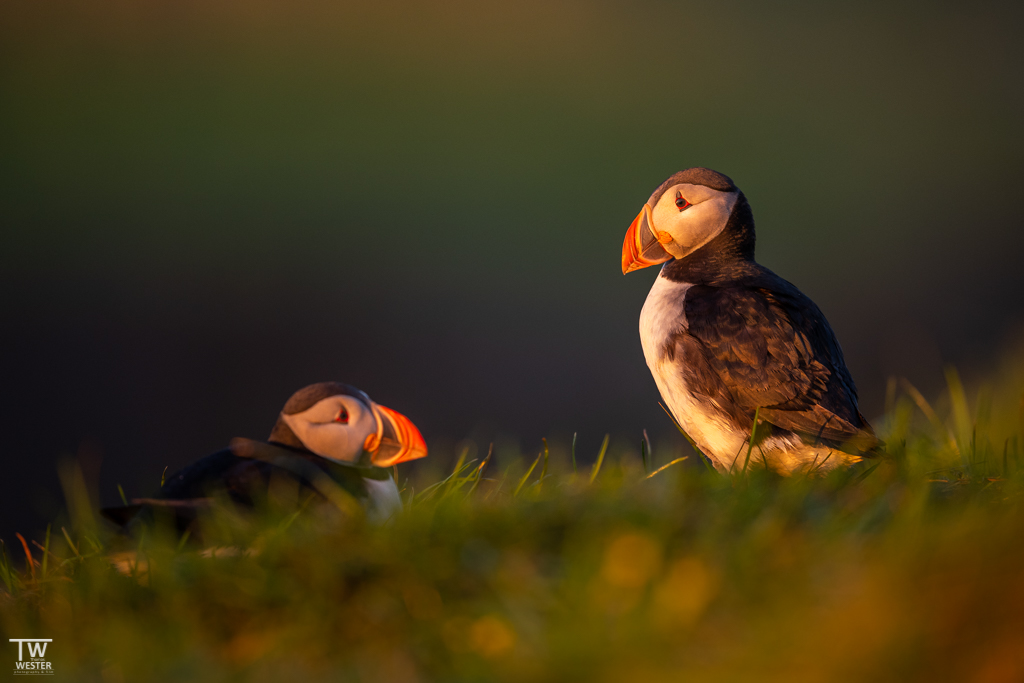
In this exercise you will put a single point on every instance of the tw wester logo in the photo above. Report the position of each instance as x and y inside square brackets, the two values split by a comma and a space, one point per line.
[35, 665]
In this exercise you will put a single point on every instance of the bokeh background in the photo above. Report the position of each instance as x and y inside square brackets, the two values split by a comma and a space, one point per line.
[207, 205]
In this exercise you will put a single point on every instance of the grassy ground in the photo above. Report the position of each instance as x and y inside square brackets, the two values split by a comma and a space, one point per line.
[911, 570]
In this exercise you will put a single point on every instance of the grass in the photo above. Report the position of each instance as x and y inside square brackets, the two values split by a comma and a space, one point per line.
[909, 569]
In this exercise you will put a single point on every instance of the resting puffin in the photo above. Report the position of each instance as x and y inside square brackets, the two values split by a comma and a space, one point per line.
[726, 338]
[329, 437]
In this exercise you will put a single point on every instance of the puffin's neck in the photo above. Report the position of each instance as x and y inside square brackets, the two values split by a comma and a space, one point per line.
[282, 434]
[727, 257]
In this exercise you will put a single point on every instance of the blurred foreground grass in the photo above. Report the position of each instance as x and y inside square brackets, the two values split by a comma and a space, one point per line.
[911, 570]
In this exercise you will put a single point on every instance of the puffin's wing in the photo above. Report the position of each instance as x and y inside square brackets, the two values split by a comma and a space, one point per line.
[243, 471]
[181, 512]
[186, 492]
[770, 348]
[247, 467]
[223, 470]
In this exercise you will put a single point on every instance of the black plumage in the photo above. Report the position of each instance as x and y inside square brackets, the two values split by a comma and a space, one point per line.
[247, 466]
[754, 342]
[758, 344]
[242, 473]
[746, 341]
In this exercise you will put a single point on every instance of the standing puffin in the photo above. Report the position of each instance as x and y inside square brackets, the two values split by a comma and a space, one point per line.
[726, 338]
[329, 438]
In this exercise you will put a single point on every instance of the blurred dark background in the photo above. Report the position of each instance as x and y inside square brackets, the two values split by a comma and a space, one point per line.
[207, 205]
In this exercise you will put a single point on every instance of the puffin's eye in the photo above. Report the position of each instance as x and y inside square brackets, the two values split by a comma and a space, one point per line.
[342, 416]
[681, 201]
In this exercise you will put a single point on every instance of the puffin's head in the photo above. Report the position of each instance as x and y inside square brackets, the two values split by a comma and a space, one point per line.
[686, 212]
[340, 422]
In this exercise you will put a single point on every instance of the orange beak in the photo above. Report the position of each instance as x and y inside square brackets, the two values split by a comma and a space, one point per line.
[643, 244]
[400, 440]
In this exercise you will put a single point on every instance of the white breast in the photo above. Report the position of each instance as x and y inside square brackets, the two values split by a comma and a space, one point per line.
[663, 315]
[384, 500]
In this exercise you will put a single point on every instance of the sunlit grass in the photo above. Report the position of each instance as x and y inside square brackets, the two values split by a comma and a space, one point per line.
[556, 571]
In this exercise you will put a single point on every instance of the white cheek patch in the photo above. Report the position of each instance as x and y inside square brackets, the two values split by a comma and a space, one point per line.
[694, 227]
[326, 439]
[318, 432]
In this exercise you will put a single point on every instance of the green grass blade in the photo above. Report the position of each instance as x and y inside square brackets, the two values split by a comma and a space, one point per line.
[522, 482]
[544, 469]
[930, 413]
[665, 467]
[480, 469]
[451, 480]
[46, 550]
[71, 543]
[8, 577]
[864, 475]
[890, 395]
[574, 435]
[600, 458]
[76, 495]
[753, 433]
[183, 540]
[28, 557]
[97, 547]
[961, 417]
[455, 473]
[650, 451]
